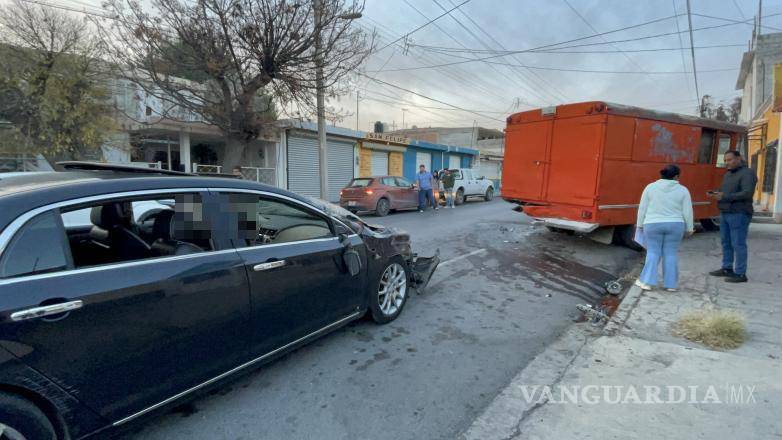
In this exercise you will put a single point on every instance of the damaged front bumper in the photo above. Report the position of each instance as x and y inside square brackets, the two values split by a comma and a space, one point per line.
[422, 269]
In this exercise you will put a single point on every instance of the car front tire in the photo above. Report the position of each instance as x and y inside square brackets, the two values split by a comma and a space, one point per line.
[22, 420]
[389, 293]
[710, 224]
[489, 194]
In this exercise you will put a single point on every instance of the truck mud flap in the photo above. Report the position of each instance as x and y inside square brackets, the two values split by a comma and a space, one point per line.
[421, 269]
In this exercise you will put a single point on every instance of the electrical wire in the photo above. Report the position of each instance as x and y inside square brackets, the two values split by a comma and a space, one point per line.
[424, 25]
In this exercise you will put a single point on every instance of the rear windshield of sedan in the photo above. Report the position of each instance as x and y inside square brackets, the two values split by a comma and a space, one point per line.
[360, 183]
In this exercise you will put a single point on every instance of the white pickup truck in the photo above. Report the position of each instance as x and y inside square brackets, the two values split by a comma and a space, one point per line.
[469, 184]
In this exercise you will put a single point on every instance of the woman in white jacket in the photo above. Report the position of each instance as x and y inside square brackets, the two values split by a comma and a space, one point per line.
[664, 218]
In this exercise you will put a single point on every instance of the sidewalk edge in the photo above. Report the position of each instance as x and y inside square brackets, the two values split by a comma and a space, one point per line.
[623, 312]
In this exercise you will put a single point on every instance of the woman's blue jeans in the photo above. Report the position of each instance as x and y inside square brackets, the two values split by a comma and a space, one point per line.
[662, 241]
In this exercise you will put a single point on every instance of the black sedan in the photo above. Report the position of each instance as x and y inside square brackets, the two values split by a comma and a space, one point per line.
[123, 291]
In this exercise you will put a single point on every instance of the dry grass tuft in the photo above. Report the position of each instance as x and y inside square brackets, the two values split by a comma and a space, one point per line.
[720, 329]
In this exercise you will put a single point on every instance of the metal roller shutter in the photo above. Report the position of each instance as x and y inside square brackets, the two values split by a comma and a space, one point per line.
[340, 163]
[303, 163]
[454, 161]
[379, 163]
[423, 159]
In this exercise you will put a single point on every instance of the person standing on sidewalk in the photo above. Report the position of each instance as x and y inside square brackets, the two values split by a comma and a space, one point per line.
[448, 179]
[664, 217]
[734, 199]
[424, 180]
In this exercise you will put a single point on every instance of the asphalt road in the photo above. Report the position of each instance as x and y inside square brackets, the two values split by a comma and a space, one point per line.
[504, 291]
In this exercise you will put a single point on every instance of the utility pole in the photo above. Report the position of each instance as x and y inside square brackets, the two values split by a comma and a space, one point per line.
[317, 8]
[694, 69]
[321, 105]
[403, 118]
[357, 96]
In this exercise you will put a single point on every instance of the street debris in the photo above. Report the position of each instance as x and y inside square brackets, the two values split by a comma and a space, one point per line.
[595, 316]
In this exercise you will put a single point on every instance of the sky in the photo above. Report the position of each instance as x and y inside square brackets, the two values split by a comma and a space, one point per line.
[489, 90]
[558, 58]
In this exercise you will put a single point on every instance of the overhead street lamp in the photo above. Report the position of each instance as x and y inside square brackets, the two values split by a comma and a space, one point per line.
[321, 104]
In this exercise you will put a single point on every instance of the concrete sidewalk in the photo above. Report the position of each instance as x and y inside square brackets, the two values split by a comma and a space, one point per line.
[729, 395]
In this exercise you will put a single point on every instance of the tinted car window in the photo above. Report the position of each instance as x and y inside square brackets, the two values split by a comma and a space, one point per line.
[37, 247]
[388, 181]
[262, 220]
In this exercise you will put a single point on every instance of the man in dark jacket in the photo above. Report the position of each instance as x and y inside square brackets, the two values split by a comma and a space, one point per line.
[734, 199]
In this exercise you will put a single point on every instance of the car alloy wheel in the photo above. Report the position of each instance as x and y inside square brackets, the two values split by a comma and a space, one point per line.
[9, 433]
[489, 194]
[383, 207]
[392, 289]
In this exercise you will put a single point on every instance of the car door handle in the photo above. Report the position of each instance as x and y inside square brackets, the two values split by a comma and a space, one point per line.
[53, 309]
[269, 265]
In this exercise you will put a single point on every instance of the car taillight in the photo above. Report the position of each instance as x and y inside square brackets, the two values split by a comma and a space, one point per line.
[586, 214]
[369, 192]
[340, 193]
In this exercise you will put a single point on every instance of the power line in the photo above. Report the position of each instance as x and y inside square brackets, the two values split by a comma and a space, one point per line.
[424, 25]
[692, 51]
[739, 21]
[443, 49]
[532, 72]
[681, 47]
[429, 98]
[738, 8]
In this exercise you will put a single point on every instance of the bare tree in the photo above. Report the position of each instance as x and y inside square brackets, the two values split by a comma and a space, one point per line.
[52, 89]
[238, 53]
[721, 111]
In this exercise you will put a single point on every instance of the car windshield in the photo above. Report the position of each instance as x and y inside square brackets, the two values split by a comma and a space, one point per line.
[360, 183]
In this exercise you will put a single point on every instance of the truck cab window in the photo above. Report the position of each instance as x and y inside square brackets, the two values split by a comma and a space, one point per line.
[706, 146]
[722, 148]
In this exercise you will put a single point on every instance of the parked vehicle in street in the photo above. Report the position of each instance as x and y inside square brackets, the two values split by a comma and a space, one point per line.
[582, 167]
[469, 184]
[106, 321]
[379, 194]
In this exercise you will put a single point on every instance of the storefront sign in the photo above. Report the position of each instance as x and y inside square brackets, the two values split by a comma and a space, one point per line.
[388, 138]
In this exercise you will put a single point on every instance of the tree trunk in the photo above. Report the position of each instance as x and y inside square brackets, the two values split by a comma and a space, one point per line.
[234, 154]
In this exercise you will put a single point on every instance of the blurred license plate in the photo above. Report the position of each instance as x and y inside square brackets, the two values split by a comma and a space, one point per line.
[351, 203]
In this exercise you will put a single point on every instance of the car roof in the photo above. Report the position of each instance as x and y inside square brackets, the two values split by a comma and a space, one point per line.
[22, 192]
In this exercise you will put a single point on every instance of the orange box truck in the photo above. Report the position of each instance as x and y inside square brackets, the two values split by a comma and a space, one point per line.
[582, 167]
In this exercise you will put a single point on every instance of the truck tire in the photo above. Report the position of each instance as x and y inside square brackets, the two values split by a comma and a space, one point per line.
[711, 224]
[623, 236]
[459, 199]
[489, 194]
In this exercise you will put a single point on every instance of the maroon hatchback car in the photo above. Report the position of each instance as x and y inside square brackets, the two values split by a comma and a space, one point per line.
[380, 194]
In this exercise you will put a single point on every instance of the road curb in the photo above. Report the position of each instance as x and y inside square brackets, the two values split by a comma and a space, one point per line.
[622, 313]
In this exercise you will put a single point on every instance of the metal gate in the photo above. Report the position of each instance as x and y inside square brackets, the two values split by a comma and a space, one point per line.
[304, 162]
[379, 163]
[340, 164]
[423, 159]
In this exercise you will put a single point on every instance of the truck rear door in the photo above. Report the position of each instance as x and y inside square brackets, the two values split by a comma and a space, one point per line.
[575, 155]
[525, 159]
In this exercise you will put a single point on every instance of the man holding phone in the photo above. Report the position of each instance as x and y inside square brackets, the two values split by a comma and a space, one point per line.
[734, 200]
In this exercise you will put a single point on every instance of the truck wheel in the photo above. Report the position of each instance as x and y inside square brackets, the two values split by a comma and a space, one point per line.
[489, 194]
[382, 208]
[623, 235]
[459, 197]
[710, 224]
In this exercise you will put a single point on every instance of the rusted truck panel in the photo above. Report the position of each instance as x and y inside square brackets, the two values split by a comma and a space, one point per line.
[584, 166]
